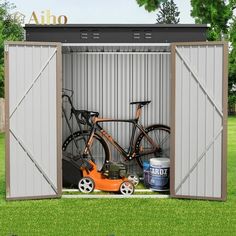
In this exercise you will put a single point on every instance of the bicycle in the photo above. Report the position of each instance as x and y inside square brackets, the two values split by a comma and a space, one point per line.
[151, 141]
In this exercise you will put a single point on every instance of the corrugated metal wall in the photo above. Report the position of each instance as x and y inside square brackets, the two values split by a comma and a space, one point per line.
[107, 83]
[199, 117]
[32, 121]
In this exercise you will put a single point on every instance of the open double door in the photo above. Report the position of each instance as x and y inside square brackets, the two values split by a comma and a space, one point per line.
[198, 120]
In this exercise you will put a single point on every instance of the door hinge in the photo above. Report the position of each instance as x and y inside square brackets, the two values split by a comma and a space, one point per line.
[6, 47]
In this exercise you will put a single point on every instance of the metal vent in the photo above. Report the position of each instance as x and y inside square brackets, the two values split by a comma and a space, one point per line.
[148, 35]
[136, 35]
[84, 35]
[96, 35]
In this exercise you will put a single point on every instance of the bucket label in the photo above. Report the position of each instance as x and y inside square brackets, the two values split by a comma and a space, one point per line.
[159, 171]
[159, 178]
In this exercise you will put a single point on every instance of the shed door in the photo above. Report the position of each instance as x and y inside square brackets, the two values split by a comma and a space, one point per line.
[199, 108]
[33, 115]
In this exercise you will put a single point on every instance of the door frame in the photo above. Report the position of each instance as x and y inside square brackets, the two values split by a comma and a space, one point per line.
[224, 108]
[58, 112]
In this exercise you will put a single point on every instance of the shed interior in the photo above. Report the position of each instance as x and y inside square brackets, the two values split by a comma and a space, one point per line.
[107, 77]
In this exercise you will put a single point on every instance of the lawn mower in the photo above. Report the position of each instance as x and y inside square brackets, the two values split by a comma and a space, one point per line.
[111, 178]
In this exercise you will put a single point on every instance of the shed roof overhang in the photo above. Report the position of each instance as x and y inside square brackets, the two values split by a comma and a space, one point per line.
[116, 33]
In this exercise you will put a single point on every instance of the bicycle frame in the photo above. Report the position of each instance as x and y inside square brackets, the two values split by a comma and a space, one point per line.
[130, 154]
[131, 150]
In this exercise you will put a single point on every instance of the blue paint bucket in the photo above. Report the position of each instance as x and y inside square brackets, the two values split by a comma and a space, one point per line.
[159, 179]
[146, 170]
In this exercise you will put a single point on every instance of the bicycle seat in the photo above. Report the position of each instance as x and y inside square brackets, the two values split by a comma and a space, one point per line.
[93, 113]
[142, 103]
[86, 113]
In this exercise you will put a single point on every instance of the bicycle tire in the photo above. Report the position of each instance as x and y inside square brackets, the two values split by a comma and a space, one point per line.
[163, 129]
[103, 145]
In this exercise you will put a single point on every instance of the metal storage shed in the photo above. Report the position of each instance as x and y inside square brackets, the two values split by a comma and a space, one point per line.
[190, 73]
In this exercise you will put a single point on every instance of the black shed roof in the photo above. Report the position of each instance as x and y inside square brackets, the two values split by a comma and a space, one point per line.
[116, 33]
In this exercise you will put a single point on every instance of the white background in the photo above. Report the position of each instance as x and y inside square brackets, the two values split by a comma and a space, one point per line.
[98, 11]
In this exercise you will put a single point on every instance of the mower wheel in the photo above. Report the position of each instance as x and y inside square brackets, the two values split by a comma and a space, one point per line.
[134, 179]
[126, 188]
[86, 185]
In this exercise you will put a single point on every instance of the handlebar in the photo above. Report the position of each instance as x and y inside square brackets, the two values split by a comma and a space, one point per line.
[64, 90]
[82, 116]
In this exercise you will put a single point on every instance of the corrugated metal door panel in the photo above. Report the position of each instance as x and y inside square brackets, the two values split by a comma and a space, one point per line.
[109, 96]
[199, 124]
[107, 83]
[50, 121]
[33, 157]
[123, 97]
[28, 123]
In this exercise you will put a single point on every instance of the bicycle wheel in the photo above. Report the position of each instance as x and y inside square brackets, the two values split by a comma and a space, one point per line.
[99, 149]
[161, 135]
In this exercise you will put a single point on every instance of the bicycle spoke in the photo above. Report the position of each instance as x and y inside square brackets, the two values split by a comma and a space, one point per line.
[164, 140]
[166, 151]
[156, 138]
[96, 151]
[160, 135]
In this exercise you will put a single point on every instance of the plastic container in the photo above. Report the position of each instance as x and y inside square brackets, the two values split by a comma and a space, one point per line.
[159, 176]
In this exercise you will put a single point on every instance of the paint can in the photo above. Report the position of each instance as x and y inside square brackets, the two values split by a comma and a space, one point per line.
[146, 170]
[159, 174]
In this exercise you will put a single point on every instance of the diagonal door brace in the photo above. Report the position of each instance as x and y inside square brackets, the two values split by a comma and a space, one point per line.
[34, 81]
[34, 161]
[198, 160]
[195, 76]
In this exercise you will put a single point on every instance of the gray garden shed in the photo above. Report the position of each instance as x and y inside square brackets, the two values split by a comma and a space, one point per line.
[173, 65]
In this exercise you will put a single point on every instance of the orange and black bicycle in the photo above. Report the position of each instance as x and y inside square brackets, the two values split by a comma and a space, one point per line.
[151, 141]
